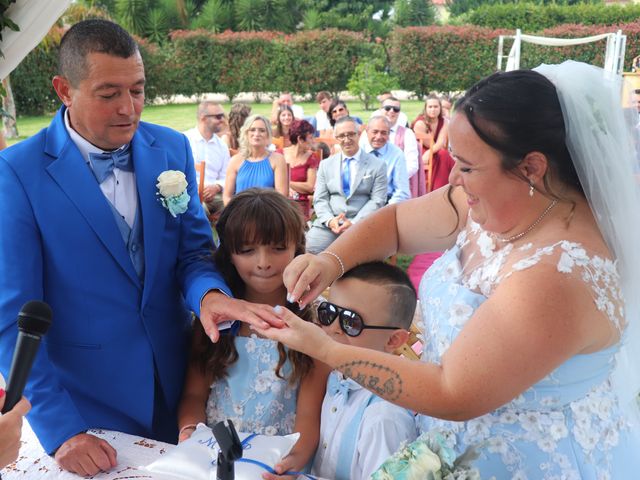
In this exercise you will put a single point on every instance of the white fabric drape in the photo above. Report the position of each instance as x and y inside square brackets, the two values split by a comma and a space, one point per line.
[35, 18]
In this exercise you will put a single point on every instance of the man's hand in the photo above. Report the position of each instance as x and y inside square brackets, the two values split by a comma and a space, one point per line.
[339, 224]
[217, 307]
[210, 191]
[86, 455]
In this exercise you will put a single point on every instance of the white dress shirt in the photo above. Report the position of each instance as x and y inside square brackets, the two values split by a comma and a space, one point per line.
[383, 428]
[322, 121]
[119, 188]
[214, 152]
[410, 148]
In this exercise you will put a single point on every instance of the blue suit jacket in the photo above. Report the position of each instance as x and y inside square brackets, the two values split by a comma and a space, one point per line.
[59, 242]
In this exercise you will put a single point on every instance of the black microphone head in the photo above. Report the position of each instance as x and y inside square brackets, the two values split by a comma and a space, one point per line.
[35, 318]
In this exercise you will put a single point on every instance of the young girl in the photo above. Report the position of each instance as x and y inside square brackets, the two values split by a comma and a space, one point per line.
[257, 383]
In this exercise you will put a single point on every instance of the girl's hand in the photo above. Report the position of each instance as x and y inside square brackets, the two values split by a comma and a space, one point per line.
[298, 334]
[290, 463]
[307, 276]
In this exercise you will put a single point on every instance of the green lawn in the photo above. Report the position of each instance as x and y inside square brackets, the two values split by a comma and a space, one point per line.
[182, 116]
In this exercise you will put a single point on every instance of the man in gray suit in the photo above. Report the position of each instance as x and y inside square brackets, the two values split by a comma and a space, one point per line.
[349, 186]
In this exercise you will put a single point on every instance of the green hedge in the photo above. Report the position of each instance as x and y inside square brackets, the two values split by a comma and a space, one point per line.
[442, 58]
[531, 18]
[423, 59]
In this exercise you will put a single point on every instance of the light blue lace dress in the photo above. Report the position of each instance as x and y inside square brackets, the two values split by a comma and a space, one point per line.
[568, 426]
[252, 396]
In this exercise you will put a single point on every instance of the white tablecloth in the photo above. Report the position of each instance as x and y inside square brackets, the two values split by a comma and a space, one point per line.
[133, 452]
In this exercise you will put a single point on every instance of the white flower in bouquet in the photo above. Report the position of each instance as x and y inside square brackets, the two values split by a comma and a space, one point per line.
[428, 458]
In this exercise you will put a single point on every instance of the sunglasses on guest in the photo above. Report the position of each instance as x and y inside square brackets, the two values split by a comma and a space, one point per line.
[388, 108]
[217, 116]
[351, 322]
[339, 110]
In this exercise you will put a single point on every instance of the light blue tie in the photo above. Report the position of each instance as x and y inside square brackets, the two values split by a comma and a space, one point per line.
[346, 176]
[104, 163]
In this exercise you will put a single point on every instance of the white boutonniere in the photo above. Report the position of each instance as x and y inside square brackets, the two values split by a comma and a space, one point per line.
[172, 190]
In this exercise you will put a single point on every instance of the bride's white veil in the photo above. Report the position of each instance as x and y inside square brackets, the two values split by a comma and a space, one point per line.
[600, 137]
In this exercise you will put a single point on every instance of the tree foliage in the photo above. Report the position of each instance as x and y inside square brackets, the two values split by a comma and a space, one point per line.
[369, 80]
[459, 7]
[417, 13]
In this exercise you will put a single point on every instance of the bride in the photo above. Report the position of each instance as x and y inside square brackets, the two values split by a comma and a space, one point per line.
[536, 295]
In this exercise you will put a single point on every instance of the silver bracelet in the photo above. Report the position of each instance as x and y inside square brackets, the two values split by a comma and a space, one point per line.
[335, 255]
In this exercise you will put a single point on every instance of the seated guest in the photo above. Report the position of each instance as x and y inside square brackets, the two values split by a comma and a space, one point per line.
[282, 126]
[285, 98]
[322, 119]
[337, 110]
[401, 137]
[376, 141]
[436, 157]
[402, 117]
[237, 115]
[303, 164]
[371, 307]
[207, 147]
[350, 185]
[254, 165]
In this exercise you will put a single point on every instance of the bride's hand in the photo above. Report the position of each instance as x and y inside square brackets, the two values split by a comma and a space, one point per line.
[307, 276]
[297, 334]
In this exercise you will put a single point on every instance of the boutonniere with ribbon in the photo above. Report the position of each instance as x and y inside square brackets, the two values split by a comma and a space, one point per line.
[172, 190]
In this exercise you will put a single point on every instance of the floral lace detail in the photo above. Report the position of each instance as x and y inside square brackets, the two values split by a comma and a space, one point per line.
[485, 274]
[252, 396]
[567, 426]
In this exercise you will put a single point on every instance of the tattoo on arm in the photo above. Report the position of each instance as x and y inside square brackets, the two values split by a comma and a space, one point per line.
[381, 380]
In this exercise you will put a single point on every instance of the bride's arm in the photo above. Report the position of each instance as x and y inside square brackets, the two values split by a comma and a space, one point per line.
[428, 223]
[535, 321]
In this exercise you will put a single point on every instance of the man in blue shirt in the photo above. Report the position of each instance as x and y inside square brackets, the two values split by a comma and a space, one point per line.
[376, 142]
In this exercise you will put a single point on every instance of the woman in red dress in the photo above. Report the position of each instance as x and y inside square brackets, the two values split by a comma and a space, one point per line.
[436, 154]
[303, 164]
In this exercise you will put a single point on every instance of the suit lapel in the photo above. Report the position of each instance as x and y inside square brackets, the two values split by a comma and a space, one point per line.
[70, 171]
[149, 162]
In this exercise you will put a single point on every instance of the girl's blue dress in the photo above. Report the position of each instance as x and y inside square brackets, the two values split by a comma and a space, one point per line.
[252, 396]
[568, 426]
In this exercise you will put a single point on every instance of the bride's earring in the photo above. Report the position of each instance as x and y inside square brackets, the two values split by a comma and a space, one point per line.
[531, 189]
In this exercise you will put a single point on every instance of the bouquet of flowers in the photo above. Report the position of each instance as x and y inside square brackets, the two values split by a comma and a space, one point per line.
[428, 458]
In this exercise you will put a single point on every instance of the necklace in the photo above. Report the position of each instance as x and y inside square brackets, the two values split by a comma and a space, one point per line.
[531, 227]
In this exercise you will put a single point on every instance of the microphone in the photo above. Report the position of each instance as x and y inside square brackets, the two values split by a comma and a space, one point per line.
[34, 320]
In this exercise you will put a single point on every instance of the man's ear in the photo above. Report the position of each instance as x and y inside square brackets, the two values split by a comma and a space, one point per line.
[63, 88]
[397, 339]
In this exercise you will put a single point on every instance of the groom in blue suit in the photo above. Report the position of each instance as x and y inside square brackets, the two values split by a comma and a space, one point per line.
[83, 228]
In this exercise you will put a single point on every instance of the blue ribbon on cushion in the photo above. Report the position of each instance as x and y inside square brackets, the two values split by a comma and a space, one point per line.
[267, 468]
[104, 163]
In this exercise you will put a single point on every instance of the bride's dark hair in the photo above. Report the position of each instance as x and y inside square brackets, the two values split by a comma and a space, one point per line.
[517, 113]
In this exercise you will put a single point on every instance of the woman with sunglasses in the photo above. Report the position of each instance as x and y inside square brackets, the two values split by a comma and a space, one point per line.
[337, 110]
[532, 313]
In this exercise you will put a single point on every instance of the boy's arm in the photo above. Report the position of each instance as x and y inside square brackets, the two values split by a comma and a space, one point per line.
[308, 408]
[384, 427]
[195, 393]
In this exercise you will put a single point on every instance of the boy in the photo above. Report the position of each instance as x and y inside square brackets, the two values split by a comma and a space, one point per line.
[371, 306]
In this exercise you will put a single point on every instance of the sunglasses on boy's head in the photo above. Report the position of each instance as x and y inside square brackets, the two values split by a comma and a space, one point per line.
[351, 322]
[388, 108]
